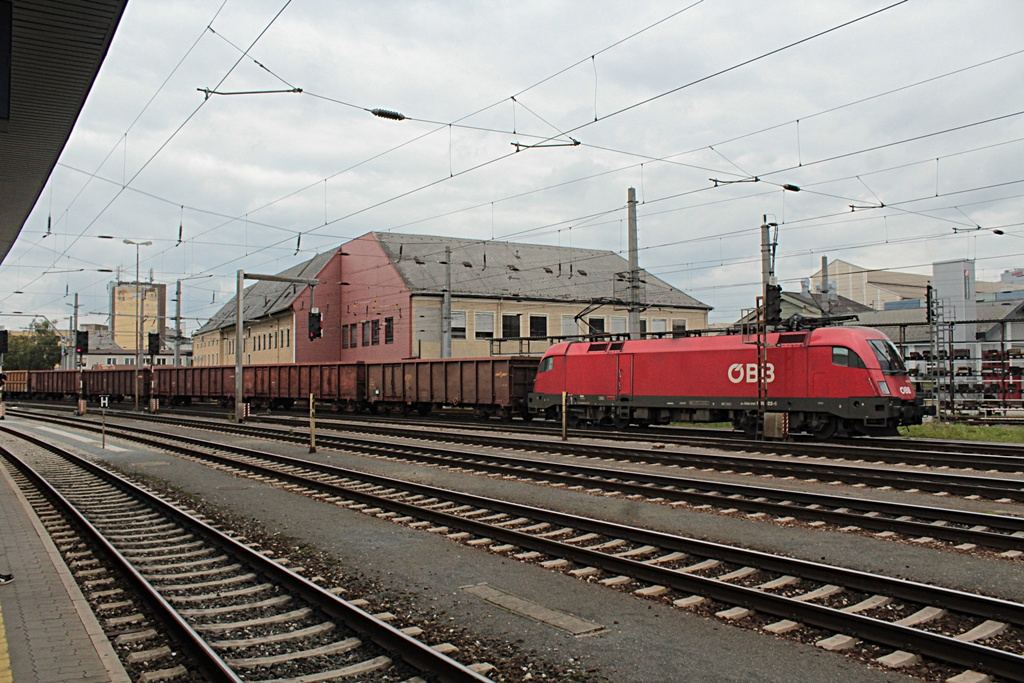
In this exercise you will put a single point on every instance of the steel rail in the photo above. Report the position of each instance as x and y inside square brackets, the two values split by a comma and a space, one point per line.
[940, 647]
[414, 652]
[681, 488]
[209, 662]
[937, 482]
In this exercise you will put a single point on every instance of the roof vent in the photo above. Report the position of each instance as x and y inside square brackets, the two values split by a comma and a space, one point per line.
[548, 270]
[513, 267]
[419, 260]
[467, 264]
[581, 271]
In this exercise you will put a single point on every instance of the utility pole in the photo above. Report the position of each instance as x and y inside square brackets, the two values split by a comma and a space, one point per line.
[634, 267]
[767, 280]
[446, 306]
[177, 325]
[239, 336]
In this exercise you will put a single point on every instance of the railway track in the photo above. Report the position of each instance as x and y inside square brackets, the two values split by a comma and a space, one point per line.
[982, 456]
[818, 468]
[897, 621]
[922, 524]
[234, 613]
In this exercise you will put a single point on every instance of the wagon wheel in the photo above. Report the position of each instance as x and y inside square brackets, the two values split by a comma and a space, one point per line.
[505, 414]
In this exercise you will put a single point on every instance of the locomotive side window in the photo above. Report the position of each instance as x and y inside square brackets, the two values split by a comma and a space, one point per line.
[846, 357]
[888, 357]
[546, 364]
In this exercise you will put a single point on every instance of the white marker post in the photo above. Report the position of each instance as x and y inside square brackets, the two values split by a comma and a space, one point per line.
[104, 402]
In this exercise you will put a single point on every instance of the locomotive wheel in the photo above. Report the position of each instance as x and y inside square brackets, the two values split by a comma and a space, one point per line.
[828, 430]
[526, 415]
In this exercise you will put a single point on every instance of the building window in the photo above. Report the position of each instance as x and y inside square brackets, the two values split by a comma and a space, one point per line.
[569, 326]
[458, 324]
[389, 330]
[510, 327]
[366, 333]
[287, 336]
[678, 327]
[353, 336]
[375, 332]
[538, 326]
[618, 325]
[643, 326]
[484, 325]
[596, 324]
[344, 336]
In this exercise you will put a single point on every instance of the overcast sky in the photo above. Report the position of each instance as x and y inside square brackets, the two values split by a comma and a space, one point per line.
[918, 107]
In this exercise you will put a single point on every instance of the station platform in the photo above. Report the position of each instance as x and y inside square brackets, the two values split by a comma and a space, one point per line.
[48, 634]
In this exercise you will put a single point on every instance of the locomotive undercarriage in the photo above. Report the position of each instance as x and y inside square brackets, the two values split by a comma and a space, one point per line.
[850, 418]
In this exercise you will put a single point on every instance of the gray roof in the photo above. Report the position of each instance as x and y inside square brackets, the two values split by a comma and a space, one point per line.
[916, 318]
[524, 271]
[840, 306]
[267, 297]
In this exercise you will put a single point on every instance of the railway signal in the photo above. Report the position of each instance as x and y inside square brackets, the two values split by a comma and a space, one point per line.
[773, 304]
[3, 341]
[316, 327]
[81, 342]
[154, 343]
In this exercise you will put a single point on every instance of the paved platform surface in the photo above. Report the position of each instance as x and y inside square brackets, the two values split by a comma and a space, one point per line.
[48, 633]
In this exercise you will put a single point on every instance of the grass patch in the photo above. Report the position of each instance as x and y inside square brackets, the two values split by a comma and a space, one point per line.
[962, 432]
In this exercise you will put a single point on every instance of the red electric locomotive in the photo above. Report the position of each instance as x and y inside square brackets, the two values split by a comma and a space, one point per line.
[832, 380]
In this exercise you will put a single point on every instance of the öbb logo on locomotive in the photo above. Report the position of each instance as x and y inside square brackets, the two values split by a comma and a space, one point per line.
[738, 372]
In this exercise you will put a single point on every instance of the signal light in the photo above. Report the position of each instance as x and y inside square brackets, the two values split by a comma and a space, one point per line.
[3, 341]
[154, 343]
[81, 342]
[316, 329]
[773, 304]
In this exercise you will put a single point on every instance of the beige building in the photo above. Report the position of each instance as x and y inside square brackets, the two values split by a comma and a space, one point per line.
[875, 288]
[131, 302]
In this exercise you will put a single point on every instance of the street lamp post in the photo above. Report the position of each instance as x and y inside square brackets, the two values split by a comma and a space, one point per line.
[138, 317]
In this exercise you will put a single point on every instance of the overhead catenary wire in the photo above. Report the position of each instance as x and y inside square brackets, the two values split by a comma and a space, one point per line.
[492, 204]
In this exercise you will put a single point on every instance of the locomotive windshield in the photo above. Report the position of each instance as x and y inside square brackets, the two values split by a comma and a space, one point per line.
[888, 357]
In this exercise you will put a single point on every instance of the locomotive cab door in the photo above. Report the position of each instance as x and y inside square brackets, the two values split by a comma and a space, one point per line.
[622, 411]
[624, 380]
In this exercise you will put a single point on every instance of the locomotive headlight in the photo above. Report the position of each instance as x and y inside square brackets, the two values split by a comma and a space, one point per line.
[884, 388]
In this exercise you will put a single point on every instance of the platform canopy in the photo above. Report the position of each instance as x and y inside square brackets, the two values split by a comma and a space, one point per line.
[50, 53]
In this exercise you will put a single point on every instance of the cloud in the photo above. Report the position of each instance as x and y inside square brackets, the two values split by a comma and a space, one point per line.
[254, 171]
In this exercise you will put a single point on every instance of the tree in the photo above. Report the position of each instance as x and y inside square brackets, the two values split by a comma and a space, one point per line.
[37, 351]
